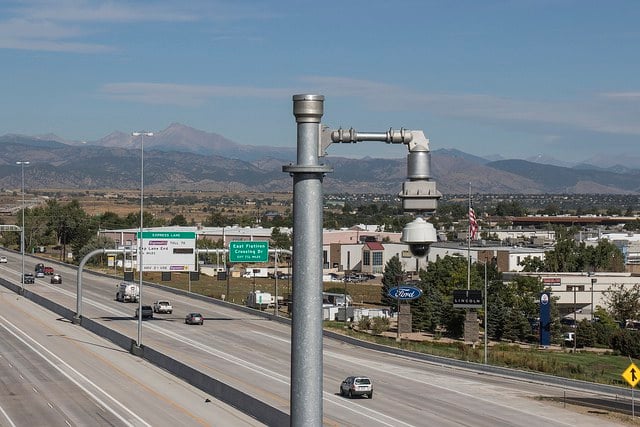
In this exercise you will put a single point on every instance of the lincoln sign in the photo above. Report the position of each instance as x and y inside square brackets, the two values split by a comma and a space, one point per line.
[405, 292]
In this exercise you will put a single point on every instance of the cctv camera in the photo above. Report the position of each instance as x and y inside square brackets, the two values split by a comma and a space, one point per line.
[419, 234]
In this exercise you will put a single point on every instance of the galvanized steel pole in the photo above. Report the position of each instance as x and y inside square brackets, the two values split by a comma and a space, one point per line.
[306, 329]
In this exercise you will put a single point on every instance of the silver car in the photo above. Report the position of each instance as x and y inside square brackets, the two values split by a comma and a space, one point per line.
[357, 386]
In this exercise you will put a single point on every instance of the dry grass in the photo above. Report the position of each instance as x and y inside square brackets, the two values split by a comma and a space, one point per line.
[124, 202]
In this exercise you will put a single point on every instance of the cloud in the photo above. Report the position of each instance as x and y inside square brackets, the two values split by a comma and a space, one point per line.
[102, 11]
[63, 26]
[596, 113]
[552, 117]
[185, 95]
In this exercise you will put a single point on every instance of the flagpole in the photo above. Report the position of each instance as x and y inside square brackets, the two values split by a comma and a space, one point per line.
[469, 243]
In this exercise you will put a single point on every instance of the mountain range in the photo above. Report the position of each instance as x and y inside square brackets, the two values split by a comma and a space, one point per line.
[184, 158]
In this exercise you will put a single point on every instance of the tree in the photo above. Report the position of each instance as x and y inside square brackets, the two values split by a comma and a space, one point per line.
[391, 277]
[604, 257]
[633, 225]
[96, 242]
[215, 219]
[623, 302]
[178, 220]
[70, 223]
[532, 264]
[279, 239]
[563, 257]
[510, 307]
[626, 342]
[509, 209]
[435, 308]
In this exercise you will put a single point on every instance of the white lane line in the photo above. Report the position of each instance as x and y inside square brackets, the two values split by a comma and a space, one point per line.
[338, 400]
[6, 417]
[330, 397]
[56, 366]
[452, 390]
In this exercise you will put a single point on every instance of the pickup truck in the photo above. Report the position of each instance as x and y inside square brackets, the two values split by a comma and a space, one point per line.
[162, 306]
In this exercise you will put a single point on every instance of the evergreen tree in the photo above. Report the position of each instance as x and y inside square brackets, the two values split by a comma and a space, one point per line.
[392, 277]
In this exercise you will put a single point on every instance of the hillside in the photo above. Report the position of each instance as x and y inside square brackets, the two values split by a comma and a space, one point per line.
[216, 164]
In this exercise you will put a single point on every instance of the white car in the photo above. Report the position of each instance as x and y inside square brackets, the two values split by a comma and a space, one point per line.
[40, 274]
[357, 386]
[3, 259]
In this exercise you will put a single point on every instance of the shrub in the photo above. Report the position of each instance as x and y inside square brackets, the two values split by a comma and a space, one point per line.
[379, 325]
[364, 324]
[626, 342]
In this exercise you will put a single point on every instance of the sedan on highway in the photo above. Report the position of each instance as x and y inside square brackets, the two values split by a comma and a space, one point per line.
[40, 274]
[28, 278]
[3, 259]
[194, 319]
[357, 386]
[56, 279]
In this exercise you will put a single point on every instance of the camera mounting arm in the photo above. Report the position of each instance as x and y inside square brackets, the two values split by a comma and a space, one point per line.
[419, 194]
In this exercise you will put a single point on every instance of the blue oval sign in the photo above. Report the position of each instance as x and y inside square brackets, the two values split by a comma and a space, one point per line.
[405, 292]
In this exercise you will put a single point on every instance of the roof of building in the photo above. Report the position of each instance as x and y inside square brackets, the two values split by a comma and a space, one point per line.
[374, 246]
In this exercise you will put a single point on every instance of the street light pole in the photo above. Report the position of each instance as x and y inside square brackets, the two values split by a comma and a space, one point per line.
[141, 134]
[593, 282]
[22, 236]
[486, 340]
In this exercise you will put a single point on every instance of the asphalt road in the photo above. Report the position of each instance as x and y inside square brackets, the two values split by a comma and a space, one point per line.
[53, 373]
[253, 355]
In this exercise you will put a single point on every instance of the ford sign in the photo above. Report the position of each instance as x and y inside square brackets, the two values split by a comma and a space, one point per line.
[405, 292]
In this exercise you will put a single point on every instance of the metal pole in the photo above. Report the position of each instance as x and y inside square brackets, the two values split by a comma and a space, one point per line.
[140, 241]
[486, 341]
[306, 326]
[275, 270]
[398, 282]
[593, 281]
[22, 233]
[575, 321]
[140, 265]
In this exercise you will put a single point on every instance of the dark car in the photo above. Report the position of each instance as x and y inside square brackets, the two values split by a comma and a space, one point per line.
[356, 386]
[194, 319]
[39, 267]
[28, 278]
[147, 312]
[56, 279]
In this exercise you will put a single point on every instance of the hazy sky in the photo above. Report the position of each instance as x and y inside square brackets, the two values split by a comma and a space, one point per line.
[516, 77]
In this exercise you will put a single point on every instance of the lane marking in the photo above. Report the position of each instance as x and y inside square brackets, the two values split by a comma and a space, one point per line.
[69, 377]
[6, 416]
[329, 396]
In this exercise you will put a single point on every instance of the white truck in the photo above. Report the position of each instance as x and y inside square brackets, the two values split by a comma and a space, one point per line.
[127, 292]
[162, 306]
[260, 300]
[255, 272]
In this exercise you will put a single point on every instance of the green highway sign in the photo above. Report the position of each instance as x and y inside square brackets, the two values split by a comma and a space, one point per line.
[168, 250]
[249, 251]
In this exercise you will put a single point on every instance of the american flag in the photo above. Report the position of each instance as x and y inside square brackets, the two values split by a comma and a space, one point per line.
[473, 224]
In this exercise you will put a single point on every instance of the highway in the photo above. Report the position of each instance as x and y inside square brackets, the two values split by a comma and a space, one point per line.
[53, 373]
[252, 354]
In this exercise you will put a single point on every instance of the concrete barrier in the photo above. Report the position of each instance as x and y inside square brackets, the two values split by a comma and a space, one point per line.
[229, 395]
